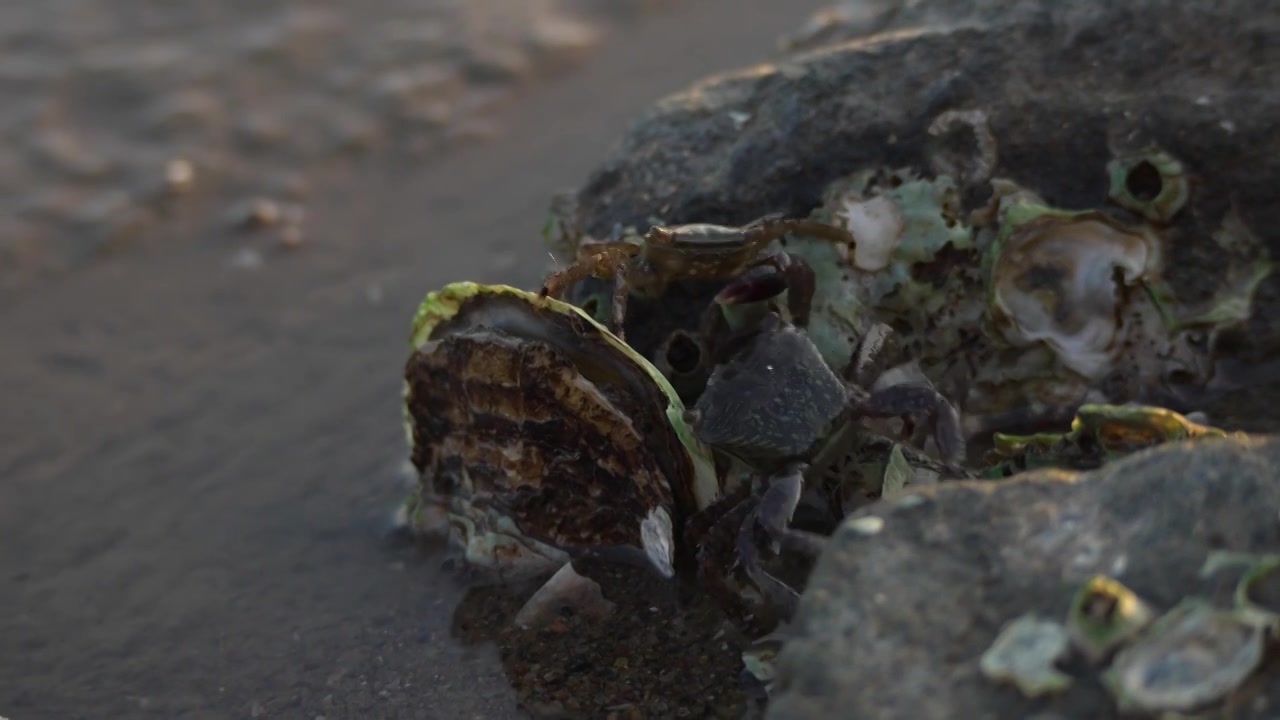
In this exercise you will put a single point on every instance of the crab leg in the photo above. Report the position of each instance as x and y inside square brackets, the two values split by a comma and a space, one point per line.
[716, 544]
[912, 398]
[771, 227]
[620, 293]
[773, 514]
[779, 594]
[778, 505]
[604, 263]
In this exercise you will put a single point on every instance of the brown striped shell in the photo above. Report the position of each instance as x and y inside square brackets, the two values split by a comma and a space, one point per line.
[539, 436]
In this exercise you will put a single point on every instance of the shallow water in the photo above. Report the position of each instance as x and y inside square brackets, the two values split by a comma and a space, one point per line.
[201, 427]
[114, 108]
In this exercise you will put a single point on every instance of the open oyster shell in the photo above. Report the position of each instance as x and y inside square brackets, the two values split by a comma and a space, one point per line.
[539, 435]
[1054, 281]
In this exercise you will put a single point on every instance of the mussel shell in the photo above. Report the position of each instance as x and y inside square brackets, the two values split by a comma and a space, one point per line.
[534, 428]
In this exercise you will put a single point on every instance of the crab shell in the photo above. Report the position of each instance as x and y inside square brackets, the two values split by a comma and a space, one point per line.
[539, 435]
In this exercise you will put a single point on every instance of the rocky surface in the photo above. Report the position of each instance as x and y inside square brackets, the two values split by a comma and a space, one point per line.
[893, 622]
[1064, 84]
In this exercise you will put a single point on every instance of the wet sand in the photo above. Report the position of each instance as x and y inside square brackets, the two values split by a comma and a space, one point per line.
[200, 453]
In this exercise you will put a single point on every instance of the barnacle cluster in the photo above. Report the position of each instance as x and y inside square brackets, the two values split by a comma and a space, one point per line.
[1185, 660]
[1023, 304]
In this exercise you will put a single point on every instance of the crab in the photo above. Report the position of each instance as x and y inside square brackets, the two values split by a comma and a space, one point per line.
[699, 251]
[773, 404]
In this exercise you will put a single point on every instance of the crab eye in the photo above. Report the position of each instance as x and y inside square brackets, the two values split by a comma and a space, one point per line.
[761, 282]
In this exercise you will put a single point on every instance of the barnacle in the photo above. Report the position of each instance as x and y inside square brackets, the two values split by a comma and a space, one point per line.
[1058, 277]
[1191, 657]
[1150, 182]
[1104, 615]
[1024, 654]
[539, 434]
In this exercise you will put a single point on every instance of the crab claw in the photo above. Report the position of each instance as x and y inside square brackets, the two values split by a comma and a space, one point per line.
[761, 282]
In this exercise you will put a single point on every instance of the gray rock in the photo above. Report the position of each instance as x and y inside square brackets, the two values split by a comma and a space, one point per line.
[893, 622]
[1064, 84]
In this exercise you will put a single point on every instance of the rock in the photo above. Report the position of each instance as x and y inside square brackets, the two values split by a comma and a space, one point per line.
[565, 589]
[913, 591]
[893, 622]
[1064, 85]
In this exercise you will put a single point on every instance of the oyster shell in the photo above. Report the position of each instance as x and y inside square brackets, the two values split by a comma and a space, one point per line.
[539, 435]
[1054, 280]
[1191, 657]
[1024, 654]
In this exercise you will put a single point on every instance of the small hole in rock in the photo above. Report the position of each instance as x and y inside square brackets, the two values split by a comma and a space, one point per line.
[683, 353]
[1144, 182]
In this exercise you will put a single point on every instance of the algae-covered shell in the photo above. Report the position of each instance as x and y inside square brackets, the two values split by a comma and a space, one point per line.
[1123, 429]
[1258, 594]
[1104, 615]
[1191, 657]
[1054, 280]
[540, 434]
[1099, 432]
[1150, 182]
[1024, 654]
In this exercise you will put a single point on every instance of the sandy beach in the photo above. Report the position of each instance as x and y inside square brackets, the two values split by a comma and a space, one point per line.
[201, 429]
